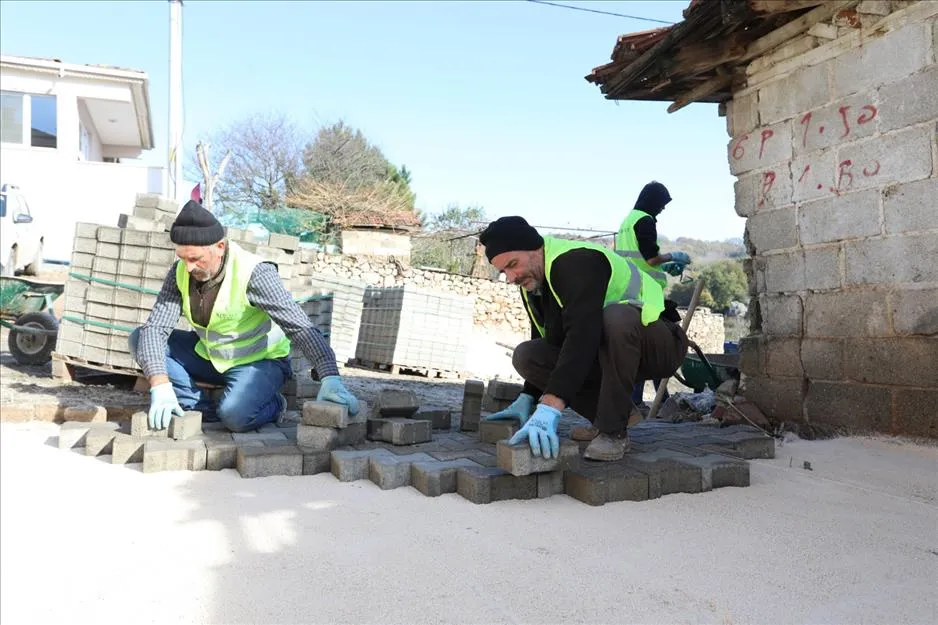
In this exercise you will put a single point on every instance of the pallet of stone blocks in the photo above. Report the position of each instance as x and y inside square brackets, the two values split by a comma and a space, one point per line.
[413, 328]
[115, 276]
[347, 301]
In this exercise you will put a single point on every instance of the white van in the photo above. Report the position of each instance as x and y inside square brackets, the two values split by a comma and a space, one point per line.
[20, 237]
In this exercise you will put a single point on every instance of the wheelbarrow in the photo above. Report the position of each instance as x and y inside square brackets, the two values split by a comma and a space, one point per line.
[26, 309]
[698, 371]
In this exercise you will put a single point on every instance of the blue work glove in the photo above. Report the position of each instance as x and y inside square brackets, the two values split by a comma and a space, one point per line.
[541, 432]
[163, 405]
[672, 268]
[332, 389]
[520, 409]
[680, 257]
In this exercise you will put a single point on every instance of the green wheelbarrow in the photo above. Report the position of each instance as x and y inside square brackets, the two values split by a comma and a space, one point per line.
[698, 371]
[26, 309]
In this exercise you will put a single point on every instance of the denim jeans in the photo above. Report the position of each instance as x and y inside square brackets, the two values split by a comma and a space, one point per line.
[251, 392]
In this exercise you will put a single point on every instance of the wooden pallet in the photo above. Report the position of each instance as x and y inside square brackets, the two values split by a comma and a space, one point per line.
[407, 370]
[63, 367]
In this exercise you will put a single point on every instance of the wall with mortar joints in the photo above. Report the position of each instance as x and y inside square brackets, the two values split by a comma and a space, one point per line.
[836, 160]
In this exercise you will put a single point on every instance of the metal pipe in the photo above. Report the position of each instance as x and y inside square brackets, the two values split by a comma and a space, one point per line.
[175, 147]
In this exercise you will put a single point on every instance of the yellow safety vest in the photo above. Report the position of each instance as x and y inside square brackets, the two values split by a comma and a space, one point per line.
[627, 246]
[237, 332]
[627, 284]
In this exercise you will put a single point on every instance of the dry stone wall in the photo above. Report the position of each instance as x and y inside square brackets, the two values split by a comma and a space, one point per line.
[834, 147]
[497, 303]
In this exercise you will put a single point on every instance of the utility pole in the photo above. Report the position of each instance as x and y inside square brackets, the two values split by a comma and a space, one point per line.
[176, 183]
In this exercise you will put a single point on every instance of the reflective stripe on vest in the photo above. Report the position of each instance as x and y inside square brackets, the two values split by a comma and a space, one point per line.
[237, 332]
[639, 289]
[224, 345]
[627, 246]
[659, 276]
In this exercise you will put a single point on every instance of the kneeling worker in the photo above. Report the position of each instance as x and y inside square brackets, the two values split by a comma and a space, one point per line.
[598, 323]
[244, 321]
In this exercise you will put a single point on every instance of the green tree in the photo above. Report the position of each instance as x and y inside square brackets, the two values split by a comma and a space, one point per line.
[724, 281]
[456, 217]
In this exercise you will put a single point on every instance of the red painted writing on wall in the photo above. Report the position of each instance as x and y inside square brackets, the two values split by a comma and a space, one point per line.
[847, 171]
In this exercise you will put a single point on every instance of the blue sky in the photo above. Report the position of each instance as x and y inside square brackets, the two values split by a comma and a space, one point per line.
[485, 102]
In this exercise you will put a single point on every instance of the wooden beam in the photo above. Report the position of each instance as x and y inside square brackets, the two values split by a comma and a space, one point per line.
[773, 7]
[795, 27]
[698, 18]
[705, 55]
[702, 90]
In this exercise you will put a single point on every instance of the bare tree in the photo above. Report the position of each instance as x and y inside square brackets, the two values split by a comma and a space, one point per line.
[266, 159]
[344, 205]
[209, 179]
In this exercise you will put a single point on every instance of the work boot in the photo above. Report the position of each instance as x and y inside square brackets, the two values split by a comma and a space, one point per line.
[589, 432]
[607, 448]
[583, 433]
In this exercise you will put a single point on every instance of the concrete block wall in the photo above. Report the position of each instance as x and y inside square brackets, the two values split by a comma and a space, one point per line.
[836, 158]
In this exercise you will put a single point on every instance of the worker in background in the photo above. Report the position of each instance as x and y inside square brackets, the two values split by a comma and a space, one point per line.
[597, 325]
[244, 321]
[637, 240]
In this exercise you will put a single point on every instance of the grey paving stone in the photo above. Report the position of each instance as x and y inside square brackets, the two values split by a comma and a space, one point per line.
[245, 437]
[170, 455]
[352, 465]
[400, 431]
[505, 391]
[140, 427]
[440, 419]
[188, 426]
[494, 431]
[550, 484]
[72, 434]
[437, 477]
[596, 484]
[267, 461]
[397, 403]
[482, 485]
[392, 471]
[720, 471]
[316, 438]
[519, 460]
[329, 415]
[99, 441]
[316, 462]
[127, 449]
[674, 473]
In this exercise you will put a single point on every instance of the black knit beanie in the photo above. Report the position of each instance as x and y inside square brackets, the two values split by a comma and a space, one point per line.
[509, 234]
[196, 226]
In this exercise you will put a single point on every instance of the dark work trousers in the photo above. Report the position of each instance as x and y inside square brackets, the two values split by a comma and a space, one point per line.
[628, 350]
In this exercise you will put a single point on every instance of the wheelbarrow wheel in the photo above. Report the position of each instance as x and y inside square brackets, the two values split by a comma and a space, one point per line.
[29, 348]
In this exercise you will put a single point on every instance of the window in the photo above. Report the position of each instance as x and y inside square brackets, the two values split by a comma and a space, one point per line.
[42, 121]
[11, 117]
[84, 142]
[28, 119]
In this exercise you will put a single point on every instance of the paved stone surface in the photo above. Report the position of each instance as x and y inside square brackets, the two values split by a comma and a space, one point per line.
[664, 458]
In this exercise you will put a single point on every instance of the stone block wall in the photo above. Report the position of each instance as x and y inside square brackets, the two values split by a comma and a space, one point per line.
[834, 148]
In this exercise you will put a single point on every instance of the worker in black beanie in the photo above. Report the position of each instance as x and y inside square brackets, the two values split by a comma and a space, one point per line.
[637, 239]
[244, 324]
[596, 325]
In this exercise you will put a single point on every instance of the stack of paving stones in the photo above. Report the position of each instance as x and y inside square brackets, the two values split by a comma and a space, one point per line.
[347, 300]
[480, 466]
[499, 394]
[413, 328]
[115, 275]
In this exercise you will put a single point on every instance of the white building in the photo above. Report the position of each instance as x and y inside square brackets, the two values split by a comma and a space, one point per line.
[70, 137]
